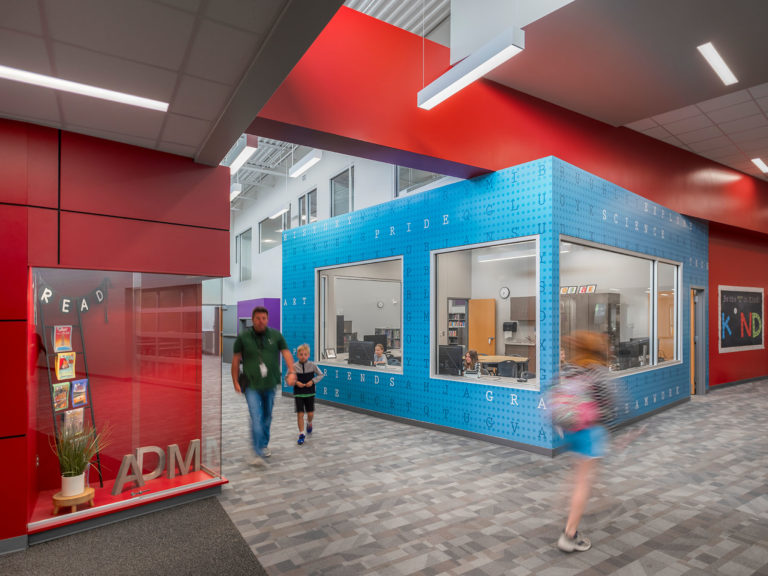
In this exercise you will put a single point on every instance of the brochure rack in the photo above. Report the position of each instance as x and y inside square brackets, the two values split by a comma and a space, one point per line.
[48, 335]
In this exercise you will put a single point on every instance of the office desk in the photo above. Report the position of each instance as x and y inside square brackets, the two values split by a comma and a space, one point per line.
[492, 363]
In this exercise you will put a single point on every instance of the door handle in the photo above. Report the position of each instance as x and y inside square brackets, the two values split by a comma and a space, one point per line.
[491, 339]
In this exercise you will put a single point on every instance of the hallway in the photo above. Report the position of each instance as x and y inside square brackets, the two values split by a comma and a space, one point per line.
[371, 496]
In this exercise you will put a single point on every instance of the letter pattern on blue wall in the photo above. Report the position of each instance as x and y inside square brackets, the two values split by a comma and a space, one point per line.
[544, 198]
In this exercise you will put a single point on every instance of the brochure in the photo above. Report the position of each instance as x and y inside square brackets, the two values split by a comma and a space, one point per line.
[73, 420]
[62, 338]
[65, 365]
[61, 396]
[79, 392]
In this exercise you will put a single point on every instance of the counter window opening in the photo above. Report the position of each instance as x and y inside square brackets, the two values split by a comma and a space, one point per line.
[485, 304]
[360, 314]
[630, 297]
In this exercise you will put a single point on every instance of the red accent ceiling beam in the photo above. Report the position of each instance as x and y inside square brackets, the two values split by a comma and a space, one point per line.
[354, 91]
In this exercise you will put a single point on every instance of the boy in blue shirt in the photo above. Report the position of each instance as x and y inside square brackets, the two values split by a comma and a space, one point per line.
[307, 375]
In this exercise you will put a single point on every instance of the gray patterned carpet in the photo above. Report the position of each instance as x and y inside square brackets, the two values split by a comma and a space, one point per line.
[367, 496]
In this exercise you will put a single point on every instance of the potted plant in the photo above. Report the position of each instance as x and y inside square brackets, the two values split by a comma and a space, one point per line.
[75, 449]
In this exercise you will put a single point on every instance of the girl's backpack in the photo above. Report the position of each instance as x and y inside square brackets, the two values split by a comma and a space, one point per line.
[572, 402]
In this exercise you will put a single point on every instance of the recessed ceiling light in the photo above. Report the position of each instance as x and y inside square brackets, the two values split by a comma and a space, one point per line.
[760, 164]
[718, 64]
[83, 89]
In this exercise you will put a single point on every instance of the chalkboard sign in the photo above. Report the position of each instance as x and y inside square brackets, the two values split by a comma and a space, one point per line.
[740, 318]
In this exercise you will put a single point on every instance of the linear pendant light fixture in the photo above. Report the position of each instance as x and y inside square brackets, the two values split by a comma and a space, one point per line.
[476, 65]
[760, 164]
[312, 158]
[77, 88]
[718, 64]
[235, 190]
[278, 213]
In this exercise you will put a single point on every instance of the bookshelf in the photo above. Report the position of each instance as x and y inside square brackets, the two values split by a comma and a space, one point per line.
[393, 336]
[458, 316]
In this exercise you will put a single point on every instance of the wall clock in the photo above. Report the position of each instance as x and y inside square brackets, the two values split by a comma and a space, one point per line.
[504, 292]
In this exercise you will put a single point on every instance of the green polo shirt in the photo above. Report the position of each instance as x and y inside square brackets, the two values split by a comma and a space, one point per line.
[257, 348]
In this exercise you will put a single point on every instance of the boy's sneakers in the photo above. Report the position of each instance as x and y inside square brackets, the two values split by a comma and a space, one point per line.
[309, 428]
[300, 441]
[266, 453]
[578, 543]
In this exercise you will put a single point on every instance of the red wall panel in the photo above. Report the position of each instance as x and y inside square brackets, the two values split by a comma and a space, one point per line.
[736, 258]
[13, 487]
[13, 262]
[104, 243]
[358, 83]
[13, 343]
[102, 177]
[28, 164]
[43, 235]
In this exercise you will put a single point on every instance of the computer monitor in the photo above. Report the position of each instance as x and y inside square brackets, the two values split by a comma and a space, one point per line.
[360, 352]
[377, 339]
[450, 359]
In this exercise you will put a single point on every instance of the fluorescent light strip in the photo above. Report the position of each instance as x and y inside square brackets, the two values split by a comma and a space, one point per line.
[760, 164]
[241, 159]
[718, 64]
[84, 89]
[312, 158]
[490, 258]
[474, 66]
[234, 191]
[279, 213]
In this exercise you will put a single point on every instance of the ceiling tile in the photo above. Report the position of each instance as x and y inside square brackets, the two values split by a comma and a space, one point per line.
[750, 135]
[30, 103]
[188, 5]
[113, 73]
[178, 149]
[675, 115]
[95, 114]
[743, 124]
[234, 52]
[21, 15]
[139, 30]
[724, 101]
[200, 98]
[763, 103]
[24, 51]
[759, 91]
[706, 133]
[185, 130]
[674, 141]
[688, 124]
[711, 144]
[251, 15]
[642, 125]
[748, 108]
[657, 132]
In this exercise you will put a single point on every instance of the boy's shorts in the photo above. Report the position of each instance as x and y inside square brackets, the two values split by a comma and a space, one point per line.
[304, 403]
[589, 442]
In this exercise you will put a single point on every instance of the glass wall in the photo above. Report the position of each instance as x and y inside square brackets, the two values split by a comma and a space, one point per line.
[485, 312]
[135, 357]
[343, 192]
[361, 310]
[619, 294]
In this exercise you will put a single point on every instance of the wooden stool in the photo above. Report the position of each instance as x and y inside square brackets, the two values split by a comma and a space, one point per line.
[60, 501]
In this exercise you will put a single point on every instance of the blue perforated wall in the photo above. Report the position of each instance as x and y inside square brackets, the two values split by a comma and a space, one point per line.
[544, 198]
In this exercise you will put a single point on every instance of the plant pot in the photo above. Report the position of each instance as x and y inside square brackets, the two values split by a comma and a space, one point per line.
[73, 485]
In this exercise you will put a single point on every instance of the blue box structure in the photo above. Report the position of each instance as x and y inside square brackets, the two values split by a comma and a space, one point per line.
[545, 198]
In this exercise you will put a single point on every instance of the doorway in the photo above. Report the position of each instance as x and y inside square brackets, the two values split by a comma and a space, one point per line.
[698, 342]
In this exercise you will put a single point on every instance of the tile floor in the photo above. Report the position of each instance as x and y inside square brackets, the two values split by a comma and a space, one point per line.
[369, 496]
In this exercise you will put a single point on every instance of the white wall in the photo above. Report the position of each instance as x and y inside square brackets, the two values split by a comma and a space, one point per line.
[374, 183]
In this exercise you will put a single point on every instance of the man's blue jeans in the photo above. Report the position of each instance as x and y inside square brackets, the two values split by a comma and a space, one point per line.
[260, 404]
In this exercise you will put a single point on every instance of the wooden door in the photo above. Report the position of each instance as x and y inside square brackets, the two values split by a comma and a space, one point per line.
[482, 326]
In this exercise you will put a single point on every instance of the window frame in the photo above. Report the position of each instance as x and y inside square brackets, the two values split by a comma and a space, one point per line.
[305, 207]
[350, 170]
[239, 255]
[511, 383]
[321, 316]
[653, 312]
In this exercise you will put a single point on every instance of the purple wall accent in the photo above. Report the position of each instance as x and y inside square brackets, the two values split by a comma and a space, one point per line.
[245, 308]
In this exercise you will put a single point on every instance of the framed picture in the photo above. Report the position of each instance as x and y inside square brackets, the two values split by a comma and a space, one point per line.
[330, 353]
[591, 288]
[572, 289]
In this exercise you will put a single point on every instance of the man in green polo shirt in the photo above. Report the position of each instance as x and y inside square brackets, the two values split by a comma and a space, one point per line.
[259, 348]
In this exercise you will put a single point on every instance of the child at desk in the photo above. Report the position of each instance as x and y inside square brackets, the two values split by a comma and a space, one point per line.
[379, 359]
[470, 360]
